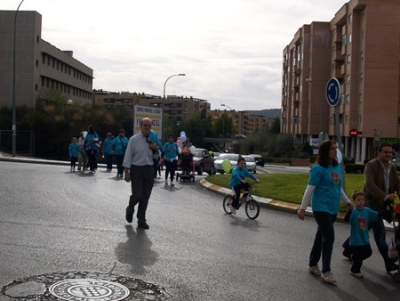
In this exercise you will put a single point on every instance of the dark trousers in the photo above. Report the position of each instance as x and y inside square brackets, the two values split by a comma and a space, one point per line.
[379, 230]
[109, 159]
[120, 160]
[155, 166]
[170, 168]
[360, 253]
[92, 160]
[237, 189]
[323, 241]
[142, 179]
[73, 161]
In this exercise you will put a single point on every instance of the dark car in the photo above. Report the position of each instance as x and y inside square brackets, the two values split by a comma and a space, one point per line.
[203, 162]
[259, 159]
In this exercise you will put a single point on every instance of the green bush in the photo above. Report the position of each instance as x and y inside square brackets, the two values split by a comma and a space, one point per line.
[354, 168]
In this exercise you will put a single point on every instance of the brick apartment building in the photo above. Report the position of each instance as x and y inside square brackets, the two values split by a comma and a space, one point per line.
[360, 47]
[180, 108]
[38, 63]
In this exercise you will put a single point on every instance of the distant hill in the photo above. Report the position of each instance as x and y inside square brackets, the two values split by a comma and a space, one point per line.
[270, 113]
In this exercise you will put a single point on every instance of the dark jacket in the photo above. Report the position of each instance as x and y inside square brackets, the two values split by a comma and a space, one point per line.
[374, 184]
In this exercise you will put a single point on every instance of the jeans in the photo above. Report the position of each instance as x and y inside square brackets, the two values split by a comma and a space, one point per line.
[379, 230]
[360, 253]
[120, 160]
[323, 241]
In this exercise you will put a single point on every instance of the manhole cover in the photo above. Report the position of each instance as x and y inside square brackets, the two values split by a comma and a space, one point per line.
[88, 290]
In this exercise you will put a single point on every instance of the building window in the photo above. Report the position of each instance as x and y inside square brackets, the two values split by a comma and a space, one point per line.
[347, 98]
[360, 98]
[361, 56]
[347, 78]
[346, 119]
[359, 119]
[362, 35]
[344, 40]
[349, 38]
[348, 58]
[342, 98]
[361, 77]
[350, 18]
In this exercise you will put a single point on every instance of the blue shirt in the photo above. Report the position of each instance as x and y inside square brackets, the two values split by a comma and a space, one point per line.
[120, 144]
[239, 173]
[328, 185]
[170, 151]
[359, 222]
[90, 140]
[108, 146]
[73, 150]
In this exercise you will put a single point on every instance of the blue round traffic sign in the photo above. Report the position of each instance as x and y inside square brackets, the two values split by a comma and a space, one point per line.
[333, 91]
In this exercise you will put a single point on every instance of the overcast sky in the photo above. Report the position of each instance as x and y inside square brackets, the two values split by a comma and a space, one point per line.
[230, 50]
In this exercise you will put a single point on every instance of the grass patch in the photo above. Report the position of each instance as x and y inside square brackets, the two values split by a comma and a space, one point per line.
[286, 187]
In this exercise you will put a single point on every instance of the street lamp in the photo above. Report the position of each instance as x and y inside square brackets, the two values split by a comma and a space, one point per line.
[14, 121]
[309, 80]
[224, 105]
[162, 132]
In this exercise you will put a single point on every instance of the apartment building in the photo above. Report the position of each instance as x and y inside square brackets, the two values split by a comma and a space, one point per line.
[360, 48]
[38, 64]
[180, 108]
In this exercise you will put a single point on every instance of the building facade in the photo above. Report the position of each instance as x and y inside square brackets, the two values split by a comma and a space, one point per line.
[179, 108]
[38, 64]
[360, 48]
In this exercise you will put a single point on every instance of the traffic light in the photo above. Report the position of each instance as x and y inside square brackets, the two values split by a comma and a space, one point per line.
[203, 113]
[353, 132]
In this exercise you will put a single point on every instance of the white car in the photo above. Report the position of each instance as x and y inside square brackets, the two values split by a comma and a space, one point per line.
[218, 162]
[251, 164]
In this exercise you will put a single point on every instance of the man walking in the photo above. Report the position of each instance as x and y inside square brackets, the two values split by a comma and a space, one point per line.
[138, 166]
[380, 184]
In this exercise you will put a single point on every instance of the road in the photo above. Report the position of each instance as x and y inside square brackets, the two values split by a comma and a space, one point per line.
[52, 221]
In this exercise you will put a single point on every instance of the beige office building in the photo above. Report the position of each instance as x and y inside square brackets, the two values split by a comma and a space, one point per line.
[38, 64]
[360, 47]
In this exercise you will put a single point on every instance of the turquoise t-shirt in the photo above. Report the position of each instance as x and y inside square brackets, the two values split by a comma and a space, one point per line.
[328, 184]
[359, 222]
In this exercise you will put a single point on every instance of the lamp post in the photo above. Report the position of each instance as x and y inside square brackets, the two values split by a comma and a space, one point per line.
[162, 132]
[224, 105]
[309, 80]
[14, 121]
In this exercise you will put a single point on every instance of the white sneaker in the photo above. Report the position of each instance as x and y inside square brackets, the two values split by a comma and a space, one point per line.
[233, 210]
[172, 183]
[328, 277]
[314, 270]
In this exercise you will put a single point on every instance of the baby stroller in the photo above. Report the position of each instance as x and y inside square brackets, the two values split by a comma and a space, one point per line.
[187, 167]
[394, 245]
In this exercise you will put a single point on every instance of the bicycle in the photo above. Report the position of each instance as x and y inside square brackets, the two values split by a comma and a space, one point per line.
[252, 208]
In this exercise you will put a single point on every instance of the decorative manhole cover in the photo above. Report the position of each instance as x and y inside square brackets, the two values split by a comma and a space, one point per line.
[88, 290]
[82, 286]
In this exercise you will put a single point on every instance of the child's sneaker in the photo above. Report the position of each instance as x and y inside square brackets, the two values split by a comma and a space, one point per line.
[233, 210]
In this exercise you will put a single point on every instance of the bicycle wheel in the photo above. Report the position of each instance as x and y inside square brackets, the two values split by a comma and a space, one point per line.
[227, 201]
[252, 209]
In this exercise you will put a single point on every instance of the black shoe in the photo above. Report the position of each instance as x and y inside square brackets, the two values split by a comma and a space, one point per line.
[391, 267]
[129, 215]
[346, 253]
[144, 226]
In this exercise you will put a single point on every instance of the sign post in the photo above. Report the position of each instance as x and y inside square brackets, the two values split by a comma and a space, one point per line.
[333, 96]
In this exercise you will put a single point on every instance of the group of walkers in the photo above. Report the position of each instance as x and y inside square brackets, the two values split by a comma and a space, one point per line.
[324, 190]
[87, 147]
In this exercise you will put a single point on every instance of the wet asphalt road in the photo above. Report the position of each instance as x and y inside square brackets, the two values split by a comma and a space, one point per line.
[52, 220]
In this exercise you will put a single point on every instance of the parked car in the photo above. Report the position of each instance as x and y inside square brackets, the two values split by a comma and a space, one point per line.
[250, 164]
[218, 162]
[216, 154]
[203, 162]
[259, 159]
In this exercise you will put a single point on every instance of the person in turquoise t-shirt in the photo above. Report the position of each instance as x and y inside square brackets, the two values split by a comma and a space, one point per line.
[360, 218]
[324, 189]
[73, 151]
[119, 146]
[108, 151]
[238, 182]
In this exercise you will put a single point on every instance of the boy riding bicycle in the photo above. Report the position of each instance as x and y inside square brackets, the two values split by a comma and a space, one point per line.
[237, 182]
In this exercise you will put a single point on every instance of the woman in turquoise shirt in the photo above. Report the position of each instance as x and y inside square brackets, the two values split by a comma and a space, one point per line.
[324, 189]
